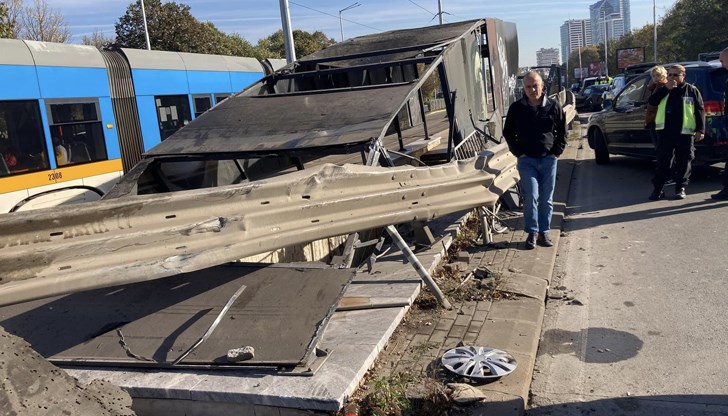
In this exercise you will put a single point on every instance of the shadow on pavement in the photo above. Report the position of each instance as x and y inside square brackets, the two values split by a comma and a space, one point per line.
[605, 345]
[625, 182]
[575, 223]
[664, 405]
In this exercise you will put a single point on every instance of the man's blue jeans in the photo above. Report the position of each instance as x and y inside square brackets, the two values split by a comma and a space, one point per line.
[538, 179]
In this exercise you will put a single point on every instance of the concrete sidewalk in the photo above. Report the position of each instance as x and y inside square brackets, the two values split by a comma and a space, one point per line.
[512, 325]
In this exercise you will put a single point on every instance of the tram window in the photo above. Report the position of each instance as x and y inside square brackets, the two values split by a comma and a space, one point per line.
[202, 103]
[77, 132]
[22, 142]
[173, 112]
[220, 97]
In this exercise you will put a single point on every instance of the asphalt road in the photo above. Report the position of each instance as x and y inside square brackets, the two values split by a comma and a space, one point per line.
[641, 327]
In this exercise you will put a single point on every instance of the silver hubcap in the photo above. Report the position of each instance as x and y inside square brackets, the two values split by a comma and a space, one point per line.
[479, 362]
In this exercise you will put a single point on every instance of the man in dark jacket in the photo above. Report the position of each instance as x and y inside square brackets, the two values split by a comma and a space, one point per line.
[535, 130]
[680, 119]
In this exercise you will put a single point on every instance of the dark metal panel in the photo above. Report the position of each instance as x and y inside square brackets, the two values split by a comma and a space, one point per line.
[393, 40]
[502, 40]
[281, 313]
[245, 123]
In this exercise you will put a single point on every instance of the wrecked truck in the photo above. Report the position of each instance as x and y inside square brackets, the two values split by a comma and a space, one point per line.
[340, 141]
[263, 170]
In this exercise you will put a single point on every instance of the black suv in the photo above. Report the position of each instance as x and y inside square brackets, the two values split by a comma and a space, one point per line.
[620, 128]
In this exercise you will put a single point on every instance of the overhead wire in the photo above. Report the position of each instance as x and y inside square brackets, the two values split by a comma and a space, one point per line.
[421, 7]
[329, 14]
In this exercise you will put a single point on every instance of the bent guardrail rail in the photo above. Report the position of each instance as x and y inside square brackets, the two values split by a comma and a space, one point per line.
[52, 252]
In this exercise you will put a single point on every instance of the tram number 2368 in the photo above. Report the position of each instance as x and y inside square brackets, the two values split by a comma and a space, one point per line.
[54, 176]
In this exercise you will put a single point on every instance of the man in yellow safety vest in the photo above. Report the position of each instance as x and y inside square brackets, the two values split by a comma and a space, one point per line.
[680, 119]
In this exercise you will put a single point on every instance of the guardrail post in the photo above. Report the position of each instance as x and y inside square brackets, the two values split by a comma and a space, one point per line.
[424, 274]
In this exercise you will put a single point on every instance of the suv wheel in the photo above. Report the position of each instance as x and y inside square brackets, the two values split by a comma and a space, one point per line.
[601, 154]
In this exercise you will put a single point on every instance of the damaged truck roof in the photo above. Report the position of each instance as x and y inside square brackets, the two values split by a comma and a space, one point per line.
[314, 103]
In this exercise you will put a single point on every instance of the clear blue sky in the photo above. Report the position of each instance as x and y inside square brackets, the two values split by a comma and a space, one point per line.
[538, 21]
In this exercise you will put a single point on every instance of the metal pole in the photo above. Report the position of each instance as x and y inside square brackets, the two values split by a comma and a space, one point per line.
[654, 29]
[429, 281]
[146, 31]
[606, 46]
[439, 10]
[341, 24]
[582, 75]
[287, 33]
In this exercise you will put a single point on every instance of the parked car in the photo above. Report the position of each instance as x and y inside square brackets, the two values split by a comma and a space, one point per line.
[587, 82]
[630, 73]
[590, 98]
[619, 129]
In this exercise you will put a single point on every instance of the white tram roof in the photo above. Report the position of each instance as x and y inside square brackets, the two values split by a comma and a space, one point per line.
[30, 52]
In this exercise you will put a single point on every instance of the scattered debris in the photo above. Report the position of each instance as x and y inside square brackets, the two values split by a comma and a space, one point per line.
[465, 394]
[236, 355]
[483, 272]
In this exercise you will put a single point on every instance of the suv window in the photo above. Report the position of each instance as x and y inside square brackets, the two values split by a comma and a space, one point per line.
[631, 94]
[717, 80]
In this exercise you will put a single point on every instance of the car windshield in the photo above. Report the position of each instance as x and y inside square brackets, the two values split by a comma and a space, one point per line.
[631, 94]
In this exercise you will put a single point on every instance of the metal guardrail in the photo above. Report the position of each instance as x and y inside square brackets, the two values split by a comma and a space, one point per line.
[106, 243]
[567, 99]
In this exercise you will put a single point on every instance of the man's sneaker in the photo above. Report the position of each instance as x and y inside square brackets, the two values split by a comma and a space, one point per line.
[531, 241]
[657, 194]
[723, 194]
[544, 240]
[680, 193]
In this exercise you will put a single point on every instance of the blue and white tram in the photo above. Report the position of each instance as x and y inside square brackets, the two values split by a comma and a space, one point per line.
[73, 118]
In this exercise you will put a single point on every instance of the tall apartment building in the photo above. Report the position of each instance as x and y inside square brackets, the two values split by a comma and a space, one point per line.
[612, 16]
[547, 56]
[575, 34]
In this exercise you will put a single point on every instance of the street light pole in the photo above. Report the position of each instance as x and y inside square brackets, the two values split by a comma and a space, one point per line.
[341, 22]
[606, 45]
[654, 29]
[287, 33]
[580, 66]
[146, 31]
[439, 10]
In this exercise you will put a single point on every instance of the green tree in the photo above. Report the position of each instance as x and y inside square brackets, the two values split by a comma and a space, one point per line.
[6, 26]
[638, 38]
[14, 16]
[172, 27]
[692, 27]
[588, 54]
[306, 43]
